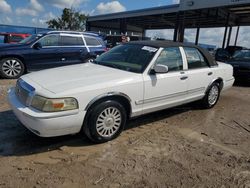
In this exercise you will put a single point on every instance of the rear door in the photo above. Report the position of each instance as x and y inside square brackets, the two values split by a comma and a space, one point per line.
[200, 75]
[73, 49]
[95, 45]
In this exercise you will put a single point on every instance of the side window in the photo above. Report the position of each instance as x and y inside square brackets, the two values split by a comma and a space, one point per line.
[195, 58]
[50, 40]
[172, 58]
[71, 41]
[92, 41]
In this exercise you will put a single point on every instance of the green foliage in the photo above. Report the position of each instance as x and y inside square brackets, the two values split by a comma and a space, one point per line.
[69, 20]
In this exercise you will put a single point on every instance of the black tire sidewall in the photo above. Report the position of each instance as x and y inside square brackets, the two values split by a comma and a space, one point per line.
[2, 74]
[92, 118]
[205, 100]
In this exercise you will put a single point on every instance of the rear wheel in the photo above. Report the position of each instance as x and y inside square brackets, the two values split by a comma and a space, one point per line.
[212, 96]
[105, 121]
[11, 68]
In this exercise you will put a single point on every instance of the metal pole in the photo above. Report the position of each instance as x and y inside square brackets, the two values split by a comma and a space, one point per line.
[237, 35]
[229, 36]
[224, 39]
[225, 34]
[197, 36]
[176, 30]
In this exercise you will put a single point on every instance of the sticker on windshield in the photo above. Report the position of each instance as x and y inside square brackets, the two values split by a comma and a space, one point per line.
[150, 49]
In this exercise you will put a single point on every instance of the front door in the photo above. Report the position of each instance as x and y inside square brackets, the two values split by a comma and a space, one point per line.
[46, 57]
[169, 89]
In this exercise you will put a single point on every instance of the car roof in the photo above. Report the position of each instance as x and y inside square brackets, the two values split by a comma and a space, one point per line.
[165, 44]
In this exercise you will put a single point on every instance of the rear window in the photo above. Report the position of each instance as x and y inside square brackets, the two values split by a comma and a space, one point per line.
[71, 41]
[92, 41]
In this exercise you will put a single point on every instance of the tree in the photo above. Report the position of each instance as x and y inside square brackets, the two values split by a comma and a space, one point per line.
[69, 20]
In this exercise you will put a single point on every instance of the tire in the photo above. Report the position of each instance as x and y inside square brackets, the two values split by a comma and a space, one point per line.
[11, 68]
[212, 96]
[105, 121]
[89, 60]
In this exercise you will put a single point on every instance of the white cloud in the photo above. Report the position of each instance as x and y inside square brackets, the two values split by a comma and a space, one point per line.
[110, 7]
[244, 36]
[175, 1]
[42, 21]
[34, 4]
[65, 3]
[32, 9]
[4, 7]
[26, 11]
[7, 20]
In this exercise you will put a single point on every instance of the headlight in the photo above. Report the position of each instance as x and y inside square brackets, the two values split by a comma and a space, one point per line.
[54, 105]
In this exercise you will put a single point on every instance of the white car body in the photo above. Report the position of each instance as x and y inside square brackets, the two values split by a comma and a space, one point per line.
[89, 82]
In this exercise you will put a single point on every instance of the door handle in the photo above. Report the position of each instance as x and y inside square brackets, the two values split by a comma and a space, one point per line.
[210, 73]
[184, 77]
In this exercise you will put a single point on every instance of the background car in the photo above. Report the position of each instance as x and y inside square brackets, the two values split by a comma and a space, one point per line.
[52, 49]
[12, 37]
[225, 54]
[241, 64]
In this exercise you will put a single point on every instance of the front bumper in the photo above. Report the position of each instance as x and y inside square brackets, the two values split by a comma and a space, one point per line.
[46, 124]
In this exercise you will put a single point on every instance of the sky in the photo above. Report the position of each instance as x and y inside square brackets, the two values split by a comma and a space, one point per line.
[35, 13]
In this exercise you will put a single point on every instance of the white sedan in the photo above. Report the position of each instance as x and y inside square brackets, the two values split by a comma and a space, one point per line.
[128, 81]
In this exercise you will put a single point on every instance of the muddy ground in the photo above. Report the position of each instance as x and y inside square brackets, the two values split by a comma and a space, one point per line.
[179, 147]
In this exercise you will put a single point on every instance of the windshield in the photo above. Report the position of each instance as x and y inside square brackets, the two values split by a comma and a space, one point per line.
[242, 55]
[128, 57]
[30, 39]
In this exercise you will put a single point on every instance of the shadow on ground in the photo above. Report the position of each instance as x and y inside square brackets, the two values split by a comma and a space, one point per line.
[16, 140]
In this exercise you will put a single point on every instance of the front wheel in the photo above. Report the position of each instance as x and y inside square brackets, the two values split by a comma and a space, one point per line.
[11, 68]
[212, 96]
[105, 121]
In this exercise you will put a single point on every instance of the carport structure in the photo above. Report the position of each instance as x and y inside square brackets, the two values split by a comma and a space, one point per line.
[189, 14]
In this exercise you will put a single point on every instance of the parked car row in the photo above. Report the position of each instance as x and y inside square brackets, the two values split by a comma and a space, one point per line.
[52, 49]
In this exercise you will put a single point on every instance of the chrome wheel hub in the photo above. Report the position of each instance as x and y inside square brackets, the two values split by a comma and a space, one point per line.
[108, 122]
[12, 67]
[213, 95]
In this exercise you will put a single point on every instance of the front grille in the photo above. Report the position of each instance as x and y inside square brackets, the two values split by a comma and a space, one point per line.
[23, 91]
[21, 94]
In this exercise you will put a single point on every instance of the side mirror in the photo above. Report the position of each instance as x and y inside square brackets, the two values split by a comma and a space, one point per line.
[161, 69]
[37, 46]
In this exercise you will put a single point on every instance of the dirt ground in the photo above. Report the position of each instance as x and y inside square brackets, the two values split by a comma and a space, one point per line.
[179, 147]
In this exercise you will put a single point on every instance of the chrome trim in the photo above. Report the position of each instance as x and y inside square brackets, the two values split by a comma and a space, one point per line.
[230, 79]
[208, 87]
[109, 94]
[155, 99]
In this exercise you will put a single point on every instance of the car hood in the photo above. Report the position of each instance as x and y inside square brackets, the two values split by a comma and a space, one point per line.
[83, 77]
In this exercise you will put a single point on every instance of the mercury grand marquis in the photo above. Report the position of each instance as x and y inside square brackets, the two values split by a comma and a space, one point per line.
[130, 80]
